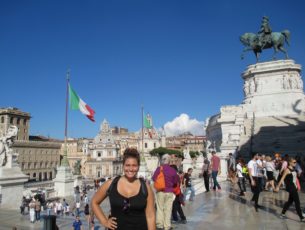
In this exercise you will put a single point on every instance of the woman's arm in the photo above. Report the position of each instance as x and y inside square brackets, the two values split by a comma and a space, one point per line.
[150, 211]
[250, 176]
[98, 198]
[286, 172]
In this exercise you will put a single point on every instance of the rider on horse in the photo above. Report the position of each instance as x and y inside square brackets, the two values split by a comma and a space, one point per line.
[264, 33]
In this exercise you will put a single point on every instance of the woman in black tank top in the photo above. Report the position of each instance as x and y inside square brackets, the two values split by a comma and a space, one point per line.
[289, 177]
[131, 199]
[129, 211]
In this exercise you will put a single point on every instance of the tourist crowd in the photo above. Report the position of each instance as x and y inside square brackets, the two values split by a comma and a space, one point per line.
[134, 204]
[269, 173]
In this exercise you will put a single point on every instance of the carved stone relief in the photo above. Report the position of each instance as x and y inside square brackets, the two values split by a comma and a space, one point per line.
[246, 88]
[252, 86]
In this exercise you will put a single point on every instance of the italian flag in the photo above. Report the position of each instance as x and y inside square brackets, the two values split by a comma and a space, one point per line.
[76, 103]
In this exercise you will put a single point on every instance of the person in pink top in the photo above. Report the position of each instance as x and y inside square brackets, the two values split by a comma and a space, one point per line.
[216, 169]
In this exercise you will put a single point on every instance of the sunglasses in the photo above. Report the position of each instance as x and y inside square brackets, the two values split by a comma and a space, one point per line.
[294, 162]
[126, 205]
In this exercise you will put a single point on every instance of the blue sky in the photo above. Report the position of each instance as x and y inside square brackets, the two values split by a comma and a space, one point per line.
[173, 57]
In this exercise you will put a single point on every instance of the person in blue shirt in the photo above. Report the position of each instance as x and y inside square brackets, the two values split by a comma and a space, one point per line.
[77, 224]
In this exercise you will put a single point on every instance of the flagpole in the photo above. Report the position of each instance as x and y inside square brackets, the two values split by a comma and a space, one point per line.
[142, 129]
[64, 161]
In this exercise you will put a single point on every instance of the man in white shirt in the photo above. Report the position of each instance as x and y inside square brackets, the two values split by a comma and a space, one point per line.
[241, 180]
[86, 199]
[59, 208]
[255, 182]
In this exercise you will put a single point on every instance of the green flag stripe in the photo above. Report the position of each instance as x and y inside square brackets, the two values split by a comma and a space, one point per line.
[74, 99]
[146, 123]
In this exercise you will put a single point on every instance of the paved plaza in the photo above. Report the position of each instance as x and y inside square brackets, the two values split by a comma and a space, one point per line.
[214, 210]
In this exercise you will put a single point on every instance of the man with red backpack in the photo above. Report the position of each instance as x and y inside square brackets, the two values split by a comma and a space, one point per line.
[164, 197]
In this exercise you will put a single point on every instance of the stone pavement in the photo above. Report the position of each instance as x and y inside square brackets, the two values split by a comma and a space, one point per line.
[214, 210]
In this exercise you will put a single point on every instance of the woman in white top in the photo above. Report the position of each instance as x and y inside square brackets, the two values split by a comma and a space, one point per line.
[32, 210]
[270, 168]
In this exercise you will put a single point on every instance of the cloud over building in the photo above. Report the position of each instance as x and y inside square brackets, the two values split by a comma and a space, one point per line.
[182, 124]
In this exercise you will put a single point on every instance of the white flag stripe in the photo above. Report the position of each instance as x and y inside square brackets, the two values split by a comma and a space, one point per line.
[82, 107]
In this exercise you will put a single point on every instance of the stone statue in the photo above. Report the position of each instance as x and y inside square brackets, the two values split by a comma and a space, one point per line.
[6, 143]
[265, 39]
[300, 83]
[258, 86]
[264, 33]
[77, 168]
[252, 87]
[246, 88]
[186, 154]
[286, 84]
[208, 146]
[293, 82]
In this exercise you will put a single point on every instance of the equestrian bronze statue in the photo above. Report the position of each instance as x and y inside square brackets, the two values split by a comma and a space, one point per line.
[265, 39]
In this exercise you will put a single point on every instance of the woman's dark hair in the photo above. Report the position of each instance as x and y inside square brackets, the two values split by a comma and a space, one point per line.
[131, 153]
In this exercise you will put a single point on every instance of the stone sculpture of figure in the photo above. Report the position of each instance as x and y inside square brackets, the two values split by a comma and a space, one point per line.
[6, 142]
[285, 82]
[208, 145]
[292, 82]
[257, 85]
[300, 83]
[246, 88]
[186, 154]
[252, 87]
[77, 167]
[264, 32]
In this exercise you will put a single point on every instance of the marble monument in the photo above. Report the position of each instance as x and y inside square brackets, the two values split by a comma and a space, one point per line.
[11, 178]
[271, 117]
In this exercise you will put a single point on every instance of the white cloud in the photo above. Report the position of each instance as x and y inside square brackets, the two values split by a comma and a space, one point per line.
[183, 124]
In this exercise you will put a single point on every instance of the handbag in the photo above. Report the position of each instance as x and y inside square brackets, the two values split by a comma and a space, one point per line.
[298, 184]
[176, 190]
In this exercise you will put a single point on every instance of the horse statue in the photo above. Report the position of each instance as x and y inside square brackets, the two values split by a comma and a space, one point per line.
[253, 42]
[6, 142]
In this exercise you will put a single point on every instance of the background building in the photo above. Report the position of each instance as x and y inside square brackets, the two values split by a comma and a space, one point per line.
[38, 156]
[186, 141]
[13, 116]
[104, 160]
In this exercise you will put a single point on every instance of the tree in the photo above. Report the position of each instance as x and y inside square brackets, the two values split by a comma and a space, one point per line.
[161, 151]
[194, 154]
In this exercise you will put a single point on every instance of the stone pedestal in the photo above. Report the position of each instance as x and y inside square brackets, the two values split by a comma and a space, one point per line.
[186, 164]
[143, 170]
[271, 117]
[11, 184]
[64, 182]
[198, 166]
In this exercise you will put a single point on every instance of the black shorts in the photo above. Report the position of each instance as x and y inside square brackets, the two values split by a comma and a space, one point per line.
[270, 176]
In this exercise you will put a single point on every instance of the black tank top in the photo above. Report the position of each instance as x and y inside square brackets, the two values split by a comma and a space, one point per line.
[290, 180]
[130, 212]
